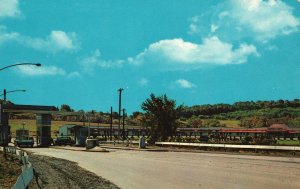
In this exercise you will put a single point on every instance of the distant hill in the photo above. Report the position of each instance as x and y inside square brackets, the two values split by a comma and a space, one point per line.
[210, 110]
[249, 113]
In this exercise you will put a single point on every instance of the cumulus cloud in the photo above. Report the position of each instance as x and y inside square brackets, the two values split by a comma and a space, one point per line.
[267, 19]
[56, 41]
[93, 61]
[257, 19]
[186, 55]
[261, 20]
[7, 36]
[9, 8]
[184, 84]
[39, 71]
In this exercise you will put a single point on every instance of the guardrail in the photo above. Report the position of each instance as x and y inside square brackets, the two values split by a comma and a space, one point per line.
[27, 171]
[262, 147]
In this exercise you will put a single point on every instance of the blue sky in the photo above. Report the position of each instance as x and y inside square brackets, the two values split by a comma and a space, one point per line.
[196, 52]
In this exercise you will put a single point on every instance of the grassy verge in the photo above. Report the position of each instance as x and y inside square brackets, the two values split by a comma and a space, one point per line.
[289, 142]
[9, 172]
[231, 123]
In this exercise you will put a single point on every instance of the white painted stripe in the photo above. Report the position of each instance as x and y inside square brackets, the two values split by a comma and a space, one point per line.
[291, 148]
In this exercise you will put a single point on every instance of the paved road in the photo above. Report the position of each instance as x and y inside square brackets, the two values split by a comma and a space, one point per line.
[140, 169]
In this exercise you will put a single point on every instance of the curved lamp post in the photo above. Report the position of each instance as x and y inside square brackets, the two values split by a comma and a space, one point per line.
[21, 64]
[5, 92]
[3, 130]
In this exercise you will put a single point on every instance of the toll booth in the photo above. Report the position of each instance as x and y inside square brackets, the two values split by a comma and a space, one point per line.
[43, 128]
[43, 121]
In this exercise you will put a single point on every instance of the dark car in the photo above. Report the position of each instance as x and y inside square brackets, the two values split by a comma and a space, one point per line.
[204, 139]
[63, 140]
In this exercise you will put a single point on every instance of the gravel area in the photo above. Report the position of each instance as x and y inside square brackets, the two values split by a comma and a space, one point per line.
[10, 169]
[60, 173]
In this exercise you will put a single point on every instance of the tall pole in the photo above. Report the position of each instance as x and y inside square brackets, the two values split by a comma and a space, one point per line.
[120, 101]
[123, 125]
[89, 125]
[4, 94]
[23, 131]
[111, 122]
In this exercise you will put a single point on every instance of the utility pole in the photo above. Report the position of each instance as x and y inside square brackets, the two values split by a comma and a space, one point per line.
[4, 94]
[123, 125]
[120, 101]
[111, 122]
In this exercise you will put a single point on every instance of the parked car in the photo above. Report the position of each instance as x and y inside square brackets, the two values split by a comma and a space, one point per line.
[63, 140]
[24, 141]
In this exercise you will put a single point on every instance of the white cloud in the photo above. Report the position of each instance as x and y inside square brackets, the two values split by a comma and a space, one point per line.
[187, 55]
[9, 8]
[223, 14]
[193, 27]
[213, 28]
[43, 70]
[56, 41]
[184, 84]
[7, 36]
[73, 75]
[143, 82]
[263, 20]
[93, 61]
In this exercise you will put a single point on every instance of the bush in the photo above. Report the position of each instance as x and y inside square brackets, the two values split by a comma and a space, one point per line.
[247, 140]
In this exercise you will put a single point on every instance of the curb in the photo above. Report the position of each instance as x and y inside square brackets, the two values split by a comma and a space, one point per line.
[81, 150]
[135, 149]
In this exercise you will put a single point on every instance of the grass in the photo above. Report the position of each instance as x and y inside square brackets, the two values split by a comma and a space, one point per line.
[231, 123]
[289, 142]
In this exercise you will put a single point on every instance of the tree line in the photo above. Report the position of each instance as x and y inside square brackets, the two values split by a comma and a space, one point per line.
[210, 110]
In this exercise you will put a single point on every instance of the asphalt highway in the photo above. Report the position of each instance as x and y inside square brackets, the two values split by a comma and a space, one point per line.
[144, 169]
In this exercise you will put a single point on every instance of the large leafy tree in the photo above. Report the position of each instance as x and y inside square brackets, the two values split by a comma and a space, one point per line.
[161, 115]
[65, 107]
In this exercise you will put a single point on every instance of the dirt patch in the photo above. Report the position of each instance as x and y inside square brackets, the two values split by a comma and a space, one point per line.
[10, 169]
[60, 173]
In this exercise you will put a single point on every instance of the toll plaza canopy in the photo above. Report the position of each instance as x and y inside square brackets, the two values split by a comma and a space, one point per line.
[43, 120]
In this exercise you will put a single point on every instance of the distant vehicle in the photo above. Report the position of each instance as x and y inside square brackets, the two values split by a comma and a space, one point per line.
[204, 138]
[24, 141]
[63, 140]
[23, 138]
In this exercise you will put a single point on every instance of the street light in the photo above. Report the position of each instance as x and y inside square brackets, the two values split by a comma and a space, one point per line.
[21, 64]
[5, 92]
[4, 133]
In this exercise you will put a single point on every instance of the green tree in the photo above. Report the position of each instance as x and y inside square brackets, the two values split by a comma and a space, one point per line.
[66, 108]
[161, 115]
[195, 122]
